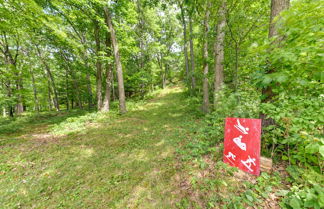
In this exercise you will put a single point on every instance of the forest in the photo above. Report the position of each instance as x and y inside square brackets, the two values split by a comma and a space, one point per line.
[122, 103]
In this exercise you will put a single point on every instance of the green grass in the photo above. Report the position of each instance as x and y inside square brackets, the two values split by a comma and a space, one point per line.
[94, 160]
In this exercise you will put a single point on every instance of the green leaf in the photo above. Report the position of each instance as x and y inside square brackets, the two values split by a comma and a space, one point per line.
[321, 150]
[250, 198]
[294, 203]
[312, 148]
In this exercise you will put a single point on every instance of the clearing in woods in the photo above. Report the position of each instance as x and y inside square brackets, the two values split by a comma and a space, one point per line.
[95, 160]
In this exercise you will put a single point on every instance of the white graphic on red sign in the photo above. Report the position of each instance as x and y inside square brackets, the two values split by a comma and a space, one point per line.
[241, 128]
[248, 163]
[242, 144]
[239, 143]
[230, 156]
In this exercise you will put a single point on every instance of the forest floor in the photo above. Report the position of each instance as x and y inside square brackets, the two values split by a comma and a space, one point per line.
[151, 157]
[92, 160]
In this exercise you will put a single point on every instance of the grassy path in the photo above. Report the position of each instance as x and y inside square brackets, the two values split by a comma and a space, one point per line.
[119, 162]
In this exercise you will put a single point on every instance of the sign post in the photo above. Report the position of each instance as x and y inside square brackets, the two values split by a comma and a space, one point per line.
[242, 144]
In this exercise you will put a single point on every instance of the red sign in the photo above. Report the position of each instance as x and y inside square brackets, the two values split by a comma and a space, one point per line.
[242, 144]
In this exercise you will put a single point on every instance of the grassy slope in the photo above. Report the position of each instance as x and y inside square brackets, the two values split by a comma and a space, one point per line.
[115, 162]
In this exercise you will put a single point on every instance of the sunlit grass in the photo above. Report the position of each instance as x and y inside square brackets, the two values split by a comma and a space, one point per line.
[95, 160]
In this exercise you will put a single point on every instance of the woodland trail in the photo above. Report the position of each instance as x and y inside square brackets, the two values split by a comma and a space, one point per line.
[125, 161]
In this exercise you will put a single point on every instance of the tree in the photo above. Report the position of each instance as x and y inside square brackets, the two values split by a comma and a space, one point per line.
[119, 69]
[205, 59]
[219, 52]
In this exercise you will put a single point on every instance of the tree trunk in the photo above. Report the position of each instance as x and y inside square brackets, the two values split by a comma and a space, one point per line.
[76, 88]
[192, 57]
[206, 65]
[119, 69]
[98, 65]
[19, 87]
[219, 52]
[89, 90]
[50, 75]
[36, 101]
[185, 47]
[67, 89]
[106, 102]
[277, 6]
[49, 95]
[51, 81]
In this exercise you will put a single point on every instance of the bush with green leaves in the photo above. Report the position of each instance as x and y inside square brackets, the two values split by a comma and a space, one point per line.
[306, 191]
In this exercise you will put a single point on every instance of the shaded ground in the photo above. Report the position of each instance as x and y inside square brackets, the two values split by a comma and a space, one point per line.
[116, 162]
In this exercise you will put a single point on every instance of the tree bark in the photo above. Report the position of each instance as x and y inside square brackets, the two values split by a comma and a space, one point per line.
[106, 102]
[206, 64]
[192, 57]
[36, 101]
[185, 47]
[67, 89]
[98, 65]
[119, 69]
[19, 87]
[219, 52]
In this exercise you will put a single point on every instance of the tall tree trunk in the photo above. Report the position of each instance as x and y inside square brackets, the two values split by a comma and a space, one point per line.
[89, 89]
[113, 86]
[50, 75]
[185, 46]
[192, 57]
[50, 103]
[51, 81]
[219, 52]
[277, 6]
[98, 65]
[19, 87]
[88, 79]
[119, 69]
[36, 101]
[67, 89]
[76, 88]
[206, 64]
[106, 102]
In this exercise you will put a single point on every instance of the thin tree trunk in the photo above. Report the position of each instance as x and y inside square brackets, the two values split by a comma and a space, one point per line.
[67, 89]
[49, 95]
[219, 52]
[88, 79]
[113, 86]
[89, 89]
[76, 88]
[206, 64]
[236, 66]
[185, 47]
[36, 101]
[192, 57]
[52, 82]
[19, 106]
[119, 69]
[98, 65]
[49, 73]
